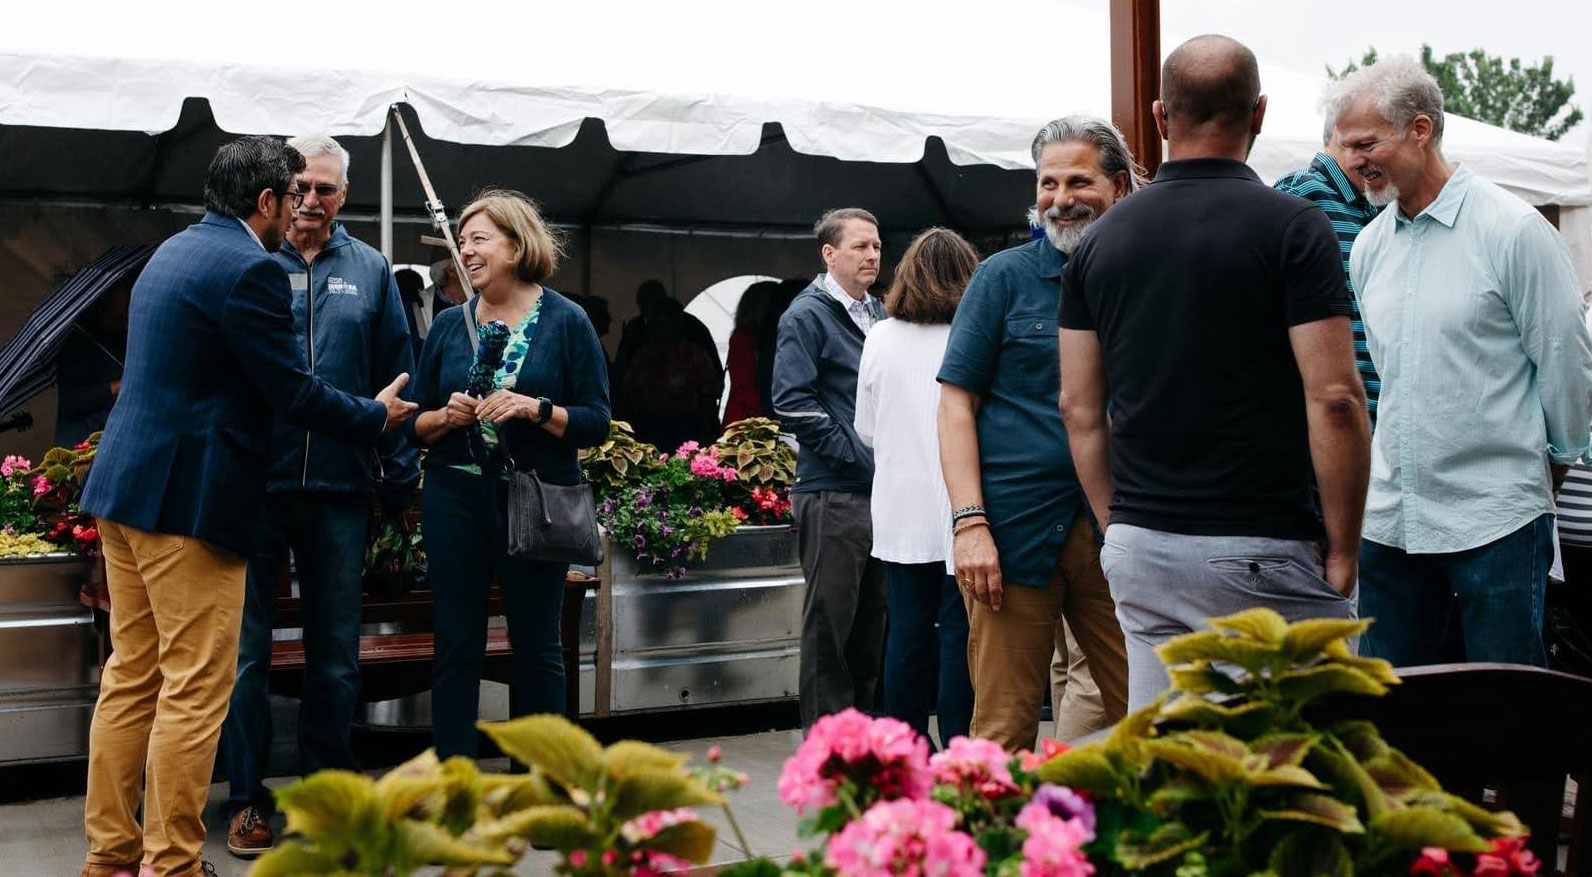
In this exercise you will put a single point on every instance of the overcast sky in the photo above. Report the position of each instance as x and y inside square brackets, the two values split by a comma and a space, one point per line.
[1306, 36]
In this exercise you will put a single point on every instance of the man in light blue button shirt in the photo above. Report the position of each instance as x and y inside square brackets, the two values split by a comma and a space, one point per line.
[1474, 319]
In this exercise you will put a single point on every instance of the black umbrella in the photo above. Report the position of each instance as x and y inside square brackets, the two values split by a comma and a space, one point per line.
[27, 362]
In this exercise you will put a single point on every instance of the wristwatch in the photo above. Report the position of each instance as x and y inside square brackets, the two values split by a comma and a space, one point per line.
[544, 410]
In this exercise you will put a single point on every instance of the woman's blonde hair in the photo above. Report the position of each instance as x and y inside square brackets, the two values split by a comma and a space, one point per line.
[537, 247]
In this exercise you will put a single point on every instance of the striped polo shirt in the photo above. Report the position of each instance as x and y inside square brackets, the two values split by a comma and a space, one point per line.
[1324, 183]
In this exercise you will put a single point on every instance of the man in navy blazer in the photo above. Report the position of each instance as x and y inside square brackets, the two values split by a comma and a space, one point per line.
[179, 477]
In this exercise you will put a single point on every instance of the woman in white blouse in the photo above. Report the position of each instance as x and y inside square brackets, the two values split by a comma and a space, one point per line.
[925, 661]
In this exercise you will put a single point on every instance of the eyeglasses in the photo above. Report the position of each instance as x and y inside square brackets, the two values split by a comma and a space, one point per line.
[293, 197]
[322, 191]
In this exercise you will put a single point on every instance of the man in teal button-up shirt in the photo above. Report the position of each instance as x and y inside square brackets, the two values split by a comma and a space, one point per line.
[1474, 318]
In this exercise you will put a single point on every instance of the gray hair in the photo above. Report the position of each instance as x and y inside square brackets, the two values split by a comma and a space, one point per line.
[1115, 157]
[313, 145]
[1401, 88]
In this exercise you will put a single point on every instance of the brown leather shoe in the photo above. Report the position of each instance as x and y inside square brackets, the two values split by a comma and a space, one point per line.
[249, 835]
[96, 869]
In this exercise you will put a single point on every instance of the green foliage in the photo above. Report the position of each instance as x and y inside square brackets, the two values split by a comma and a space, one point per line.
[1520, 97]
[1227, 777]
[620, 461]
[579, 798]
[760, 458]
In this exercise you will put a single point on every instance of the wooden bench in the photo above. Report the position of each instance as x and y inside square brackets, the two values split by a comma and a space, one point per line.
[397, 664]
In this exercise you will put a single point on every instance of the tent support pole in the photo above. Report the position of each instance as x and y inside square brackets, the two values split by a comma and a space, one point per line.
[386, 189]
[1136, 76]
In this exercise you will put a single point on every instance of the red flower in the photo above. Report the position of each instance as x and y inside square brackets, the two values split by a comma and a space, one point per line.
[738, 512]
[1508, 856]
[1434, 861]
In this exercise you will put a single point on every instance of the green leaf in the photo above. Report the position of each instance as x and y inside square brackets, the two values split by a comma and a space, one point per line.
[1488, 823]
[331, 804]
[1311, 854]
[559, 826]
[1320, 809]
[293, 859]
[1331, 760]
[1287, 775]
[431, 844]
[1313, 682]
[634, 794]
[553, 744]
[1188, 647]
[1173, 794]
[633, 756]
[1394, 770]
[1361, 738]
[1214, 742]
[1202, 678]
[752, 868]
[1172, 839]
[1305, 639]
[1083, 767]
[463, 791]
[692, 841]
[1260, 623]
[1415, 827]
[1127, 737]
[1247, 716]
[414, 789]
[506, 793]
[1281, 749]
[1210, 765]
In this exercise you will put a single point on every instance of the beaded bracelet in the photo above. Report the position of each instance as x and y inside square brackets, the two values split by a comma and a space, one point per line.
[968, 511]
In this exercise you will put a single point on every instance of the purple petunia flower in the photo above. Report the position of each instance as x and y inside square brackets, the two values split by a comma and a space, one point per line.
[694, 512]
[641, 541]
[1065, 804]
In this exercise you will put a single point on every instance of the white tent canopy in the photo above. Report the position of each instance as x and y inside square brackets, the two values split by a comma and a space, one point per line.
[872, 82]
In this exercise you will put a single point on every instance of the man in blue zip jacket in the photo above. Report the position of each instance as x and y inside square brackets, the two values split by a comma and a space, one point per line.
[349, 319]
[815, 397]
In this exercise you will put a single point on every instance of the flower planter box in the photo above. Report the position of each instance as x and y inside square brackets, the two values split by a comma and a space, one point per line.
[728, 633]
[49, 662]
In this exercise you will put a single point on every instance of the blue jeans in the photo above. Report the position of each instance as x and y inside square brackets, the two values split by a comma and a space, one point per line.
[925, 652]
[1482, 604]
[326, 533]
[465, 547]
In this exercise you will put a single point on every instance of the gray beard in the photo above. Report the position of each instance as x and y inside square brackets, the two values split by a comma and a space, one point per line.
[1065, 238]
[1388, 195]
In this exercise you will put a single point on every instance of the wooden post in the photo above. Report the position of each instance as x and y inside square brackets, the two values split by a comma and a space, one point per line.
[1136, 76]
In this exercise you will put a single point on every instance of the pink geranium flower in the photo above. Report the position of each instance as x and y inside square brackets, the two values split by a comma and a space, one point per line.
[14, 464]
[1054, 847]
[975, 765]
[905, 837]
[41, 485]
[649, 824]
[884, 757]
[687, 450]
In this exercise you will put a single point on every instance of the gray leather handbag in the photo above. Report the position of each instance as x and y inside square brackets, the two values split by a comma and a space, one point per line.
[551, 522]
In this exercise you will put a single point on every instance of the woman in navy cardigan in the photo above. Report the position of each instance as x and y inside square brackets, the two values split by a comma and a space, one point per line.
[545, 399]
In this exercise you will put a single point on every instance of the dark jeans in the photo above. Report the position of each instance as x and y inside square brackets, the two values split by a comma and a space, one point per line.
[1482, 604]
[843, 609]
[326, 533]
[925, 652]
[465, 548]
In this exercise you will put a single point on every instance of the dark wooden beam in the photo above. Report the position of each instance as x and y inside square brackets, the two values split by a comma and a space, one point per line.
[1136, 76]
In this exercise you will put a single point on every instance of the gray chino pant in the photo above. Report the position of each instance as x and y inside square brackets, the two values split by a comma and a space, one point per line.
[1167, 584]
[843, 612]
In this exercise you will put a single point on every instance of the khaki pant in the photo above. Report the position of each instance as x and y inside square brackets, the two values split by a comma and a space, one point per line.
[176, 606]
[1009, 652]
[1074, 697]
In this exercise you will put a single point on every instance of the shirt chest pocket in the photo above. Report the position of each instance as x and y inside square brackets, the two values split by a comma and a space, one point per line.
[1029, 353]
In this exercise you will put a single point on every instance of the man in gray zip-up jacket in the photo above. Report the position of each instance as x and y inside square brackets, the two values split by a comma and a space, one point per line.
[815, 397]
[350, 322]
